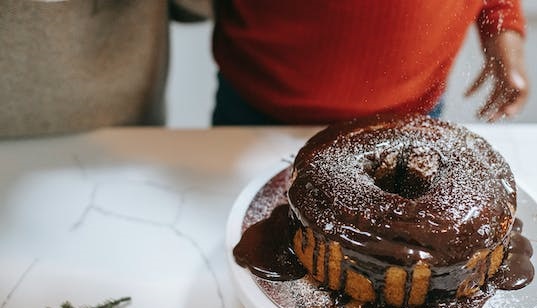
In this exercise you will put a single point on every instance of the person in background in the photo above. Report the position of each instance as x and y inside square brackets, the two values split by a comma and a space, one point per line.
[316, 62]
[69, 66]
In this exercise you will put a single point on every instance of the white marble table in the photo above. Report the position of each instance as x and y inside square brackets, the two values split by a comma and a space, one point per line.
[141, 212]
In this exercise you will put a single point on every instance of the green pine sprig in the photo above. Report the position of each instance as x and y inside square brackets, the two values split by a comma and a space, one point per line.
[106, 304]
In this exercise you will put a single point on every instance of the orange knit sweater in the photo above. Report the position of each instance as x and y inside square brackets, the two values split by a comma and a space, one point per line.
[319, 61]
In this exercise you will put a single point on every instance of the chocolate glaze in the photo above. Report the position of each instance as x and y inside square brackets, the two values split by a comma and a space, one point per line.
[265, 248]
[352, 183]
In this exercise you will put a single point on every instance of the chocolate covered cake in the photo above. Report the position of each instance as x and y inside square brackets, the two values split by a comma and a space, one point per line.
[401, 210]
[401, 213]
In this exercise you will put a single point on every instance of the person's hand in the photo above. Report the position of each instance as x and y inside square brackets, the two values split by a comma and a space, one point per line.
[504, 63]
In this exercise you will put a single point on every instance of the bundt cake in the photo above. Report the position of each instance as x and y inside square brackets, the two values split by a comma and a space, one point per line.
[401, 212]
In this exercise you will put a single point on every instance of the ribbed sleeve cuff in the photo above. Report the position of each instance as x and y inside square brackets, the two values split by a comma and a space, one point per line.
[500, 15]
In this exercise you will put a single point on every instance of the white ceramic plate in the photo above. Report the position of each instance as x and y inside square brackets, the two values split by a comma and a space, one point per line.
[252, 291]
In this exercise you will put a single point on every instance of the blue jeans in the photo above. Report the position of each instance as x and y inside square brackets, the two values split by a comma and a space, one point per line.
[438, 108]
[231, 109]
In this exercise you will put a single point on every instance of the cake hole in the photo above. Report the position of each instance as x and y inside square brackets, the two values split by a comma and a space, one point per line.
[408, 173]
[402, 182]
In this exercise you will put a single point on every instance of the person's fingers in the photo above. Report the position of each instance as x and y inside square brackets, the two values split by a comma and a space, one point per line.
[514, 94]
[492, 103]
[509, 104]
[478, 82]
[515, 103]
[495, 114]
[495, 117]
[518, 81]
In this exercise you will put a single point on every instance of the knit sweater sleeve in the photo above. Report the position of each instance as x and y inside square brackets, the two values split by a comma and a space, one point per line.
[499, 15]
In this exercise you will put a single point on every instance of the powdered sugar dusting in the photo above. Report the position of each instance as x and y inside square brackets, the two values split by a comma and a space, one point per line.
[272, 194]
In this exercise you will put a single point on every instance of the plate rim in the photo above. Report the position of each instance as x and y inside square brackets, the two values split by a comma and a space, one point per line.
[249, 292]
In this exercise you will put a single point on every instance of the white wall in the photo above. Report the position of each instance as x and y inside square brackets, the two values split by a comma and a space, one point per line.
[192, 78]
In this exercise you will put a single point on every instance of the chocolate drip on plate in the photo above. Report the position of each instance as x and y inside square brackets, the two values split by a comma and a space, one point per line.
[517, 270]
[265, 248]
